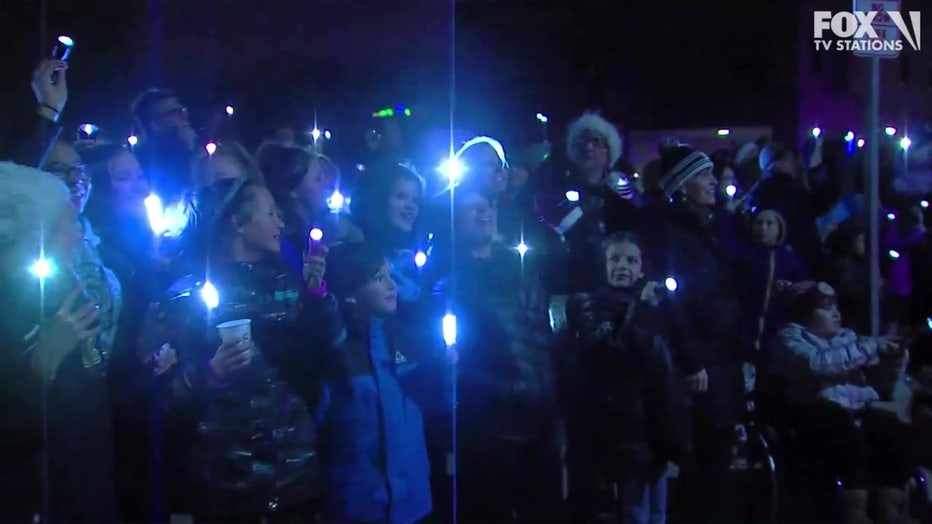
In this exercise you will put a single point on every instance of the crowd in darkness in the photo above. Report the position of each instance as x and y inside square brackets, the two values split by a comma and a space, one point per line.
[221, 333]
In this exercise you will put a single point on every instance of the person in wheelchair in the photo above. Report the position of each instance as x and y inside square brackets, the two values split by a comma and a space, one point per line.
[830, 377]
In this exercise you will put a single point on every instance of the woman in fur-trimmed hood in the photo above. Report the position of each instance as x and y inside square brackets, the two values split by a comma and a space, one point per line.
[597, 207]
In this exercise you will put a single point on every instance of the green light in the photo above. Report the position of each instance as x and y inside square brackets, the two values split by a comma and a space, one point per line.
[407, 112]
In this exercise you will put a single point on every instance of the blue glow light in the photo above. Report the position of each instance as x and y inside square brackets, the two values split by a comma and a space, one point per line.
[210, 295]
[671, 284]
[448, 325]
[41, 268]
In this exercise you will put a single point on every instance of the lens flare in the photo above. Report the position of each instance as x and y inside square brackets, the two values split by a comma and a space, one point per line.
[522, 249]
[41, 268]
[448, 325]
[452, 169]
[210, 295]
[336, 201]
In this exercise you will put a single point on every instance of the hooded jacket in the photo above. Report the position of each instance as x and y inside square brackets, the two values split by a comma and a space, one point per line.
[382, 375]
[758, 268]
[254, 444]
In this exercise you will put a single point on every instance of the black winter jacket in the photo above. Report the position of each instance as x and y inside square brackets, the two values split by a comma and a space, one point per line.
[255, 448]
[506, 381]
[626, 402]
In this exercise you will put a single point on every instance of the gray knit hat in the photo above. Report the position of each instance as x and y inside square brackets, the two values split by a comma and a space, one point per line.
[679, 164]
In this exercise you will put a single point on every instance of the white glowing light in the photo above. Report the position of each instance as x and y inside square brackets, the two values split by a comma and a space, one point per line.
[861, 142]
[211, 148]
[542, 118]
[894, 254]
[905, 143]
[315, 134]
[891, 216]
[420, 259]
[41, 268]
[849, 136]
[163, 221]
[522, 249]
[816, 132]
[723, 132]
[890, 130]
[229, 110]
[66, 41]
[671, 284]
[89, 129]
[155, 213]
[731, 190]
[132, 140]
[210, 295]
[448, 325]
[572, 196]
[929, 322]
[924, 204]
[360, 167]
[336, 201]
[327, 134]
[316, 235]
[453, 169]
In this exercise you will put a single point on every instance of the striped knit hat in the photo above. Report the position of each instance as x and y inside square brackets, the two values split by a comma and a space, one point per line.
[679, 164]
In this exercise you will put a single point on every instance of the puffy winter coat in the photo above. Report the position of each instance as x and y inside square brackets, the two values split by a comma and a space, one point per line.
[255, 444]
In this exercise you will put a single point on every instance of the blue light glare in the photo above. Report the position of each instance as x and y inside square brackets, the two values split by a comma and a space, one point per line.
[41, 268]
[336, 201]
[210, 295]
[448, 325]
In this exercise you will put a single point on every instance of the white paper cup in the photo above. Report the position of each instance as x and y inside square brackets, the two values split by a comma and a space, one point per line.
[557, 312]
[235, 330]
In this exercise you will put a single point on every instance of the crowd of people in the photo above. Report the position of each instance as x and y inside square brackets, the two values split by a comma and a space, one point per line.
[266, 337]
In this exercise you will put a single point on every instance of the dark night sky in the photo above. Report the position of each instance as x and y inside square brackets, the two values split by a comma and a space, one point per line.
[649, 63]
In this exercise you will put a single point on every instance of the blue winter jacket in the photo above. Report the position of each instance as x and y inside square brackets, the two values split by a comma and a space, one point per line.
[375, 458]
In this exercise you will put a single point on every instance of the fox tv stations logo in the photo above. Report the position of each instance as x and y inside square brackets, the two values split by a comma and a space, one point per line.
[877, 31]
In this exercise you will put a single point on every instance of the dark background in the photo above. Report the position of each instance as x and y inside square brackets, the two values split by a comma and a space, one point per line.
[649, 64]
